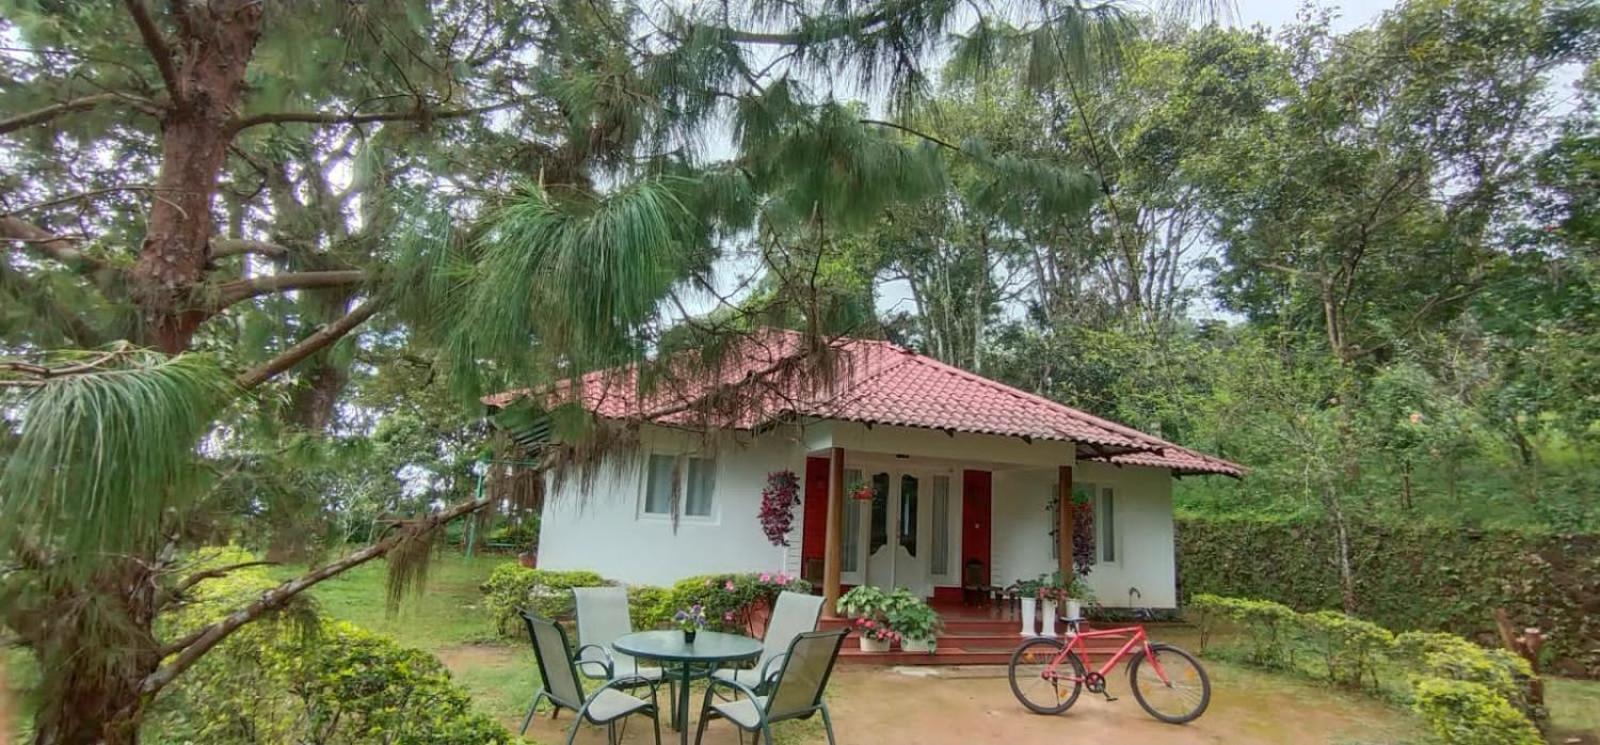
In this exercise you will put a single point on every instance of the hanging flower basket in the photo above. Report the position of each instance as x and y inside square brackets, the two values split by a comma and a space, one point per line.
[778, 501]
[861, 490]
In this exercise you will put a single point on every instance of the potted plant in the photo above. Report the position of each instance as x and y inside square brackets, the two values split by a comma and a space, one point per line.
[1079, 593]
[690, 620]
[876, 636]
[917, 624]
[869, 606]
[1052, 593]
[1028, 593]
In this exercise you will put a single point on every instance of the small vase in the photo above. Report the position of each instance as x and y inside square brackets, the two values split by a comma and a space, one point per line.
[1074, 611]
[1049, 620]
[688, 635]
[1027, 616]
[874, 645]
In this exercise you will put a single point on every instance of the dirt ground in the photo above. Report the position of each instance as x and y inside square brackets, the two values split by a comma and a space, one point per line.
[938, 706]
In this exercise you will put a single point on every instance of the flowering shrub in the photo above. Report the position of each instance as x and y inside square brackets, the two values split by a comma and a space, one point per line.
[730, 600]
[778, 501]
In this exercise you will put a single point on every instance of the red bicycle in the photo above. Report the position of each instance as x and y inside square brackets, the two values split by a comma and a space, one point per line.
[1047, 675]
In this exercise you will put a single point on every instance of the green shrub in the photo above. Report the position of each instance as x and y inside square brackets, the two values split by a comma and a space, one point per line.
[1266, 627]
[1461, 712]
[650, 607]
[1350, 647]
[544, 592]
[292, 678]
[1447, 656]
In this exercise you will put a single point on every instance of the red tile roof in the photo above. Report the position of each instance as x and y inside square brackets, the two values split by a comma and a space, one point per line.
[873, 382]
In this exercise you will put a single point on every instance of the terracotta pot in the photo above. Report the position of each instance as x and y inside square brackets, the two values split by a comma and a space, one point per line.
[529, 559]
[760, 615]
[874, 645]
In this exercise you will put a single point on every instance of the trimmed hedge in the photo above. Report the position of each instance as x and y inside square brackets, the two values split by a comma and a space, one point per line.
[728, 599]
[1468, 695]
[546, 592]
[1411, 577]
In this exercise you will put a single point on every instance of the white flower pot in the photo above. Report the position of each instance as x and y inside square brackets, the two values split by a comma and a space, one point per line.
[1049, 620]
[1074, 611]
[874, 645]
[1027, 616]
[918, 645]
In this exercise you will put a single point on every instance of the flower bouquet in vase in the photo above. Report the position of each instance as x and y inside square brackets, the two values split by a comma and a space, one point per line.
[690, 621]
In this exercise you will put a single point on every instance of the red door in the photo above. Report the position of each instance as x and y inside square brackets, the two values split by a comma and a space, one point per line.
[975, 493]
[814, 536]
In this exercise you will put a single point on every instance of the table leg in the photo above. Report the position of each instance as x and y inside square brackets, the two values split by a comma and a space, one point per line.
[682, 714]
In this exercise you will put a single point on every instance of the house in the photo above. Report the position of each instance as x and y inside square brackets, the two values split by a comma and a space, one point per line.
[933, 474]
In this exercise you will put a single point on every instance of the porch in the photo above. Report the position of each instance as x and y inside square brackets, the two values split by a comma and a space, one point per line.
[972, 635]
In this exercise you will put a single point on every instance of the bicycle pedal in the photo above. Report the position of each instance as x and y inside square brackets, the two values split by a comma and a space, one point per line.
[1109, 697]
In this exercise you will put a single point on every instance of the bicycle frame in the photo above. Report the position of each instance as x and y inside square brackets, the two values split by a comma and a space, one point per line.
[1077, 641]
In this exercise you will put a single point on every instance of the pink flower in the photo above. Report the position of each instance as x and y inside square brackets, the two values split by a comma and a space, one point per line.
[869, 624]
[728, 616]
[783, 579]
[728, 585]
[766, 577]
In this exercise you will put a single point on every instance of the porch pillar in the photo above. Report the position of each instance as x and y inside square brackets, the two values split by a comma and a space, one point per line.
[833, 547]
[1064, 509]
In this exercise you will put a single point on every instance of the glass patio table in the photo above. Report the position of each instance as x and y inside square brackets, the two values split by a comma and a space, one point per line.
[709, 650]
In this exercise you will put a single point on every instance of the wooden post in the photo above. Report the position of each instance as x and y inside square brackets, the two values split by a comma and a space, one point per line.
[1064, 509]
[833, 547]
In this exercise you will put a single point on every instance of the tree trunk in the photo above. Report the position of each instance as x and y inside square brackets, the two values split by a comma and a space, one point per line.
[92, 694]
[1405, 484]
[195, 134]
[1347, 578]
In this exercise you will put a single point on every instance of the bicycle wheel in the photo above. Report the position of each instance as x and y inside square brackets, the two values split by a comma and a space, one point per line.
[1045, 695]
[1182, 697]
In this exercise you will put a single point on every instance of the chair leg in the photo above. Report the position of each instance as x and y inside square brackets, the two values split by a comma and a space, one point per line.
[572, 732]
[611, 733]
[655, 719]
[827, 723]
[531, 709]
[706, 715]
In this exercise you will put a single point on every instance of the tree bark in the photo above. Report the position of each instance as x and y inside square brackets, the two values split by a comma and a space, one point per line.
[195, 133]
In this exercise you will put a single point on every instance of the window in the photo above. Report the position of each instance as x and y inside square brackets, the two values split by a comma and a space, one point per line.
[1107, 524]
[880, 513]
[908, 514]
[693, 478]
[939, 562]
[702, 481]
[658, 485]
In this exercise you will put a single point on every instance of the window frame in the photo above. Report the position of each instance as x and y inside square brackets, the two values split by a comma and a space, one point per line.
[681, 471]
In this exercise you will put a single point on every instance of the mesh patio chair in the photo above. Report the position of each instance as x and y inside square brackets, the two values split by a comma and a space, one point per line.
[796, 690]
[563, 688]
[602, 619]
[793, 615]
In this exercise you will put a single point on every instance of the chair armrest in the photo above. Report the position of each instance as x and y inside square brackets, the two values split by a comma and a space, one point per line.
[726, 683]
[608, 665]
[771, 668]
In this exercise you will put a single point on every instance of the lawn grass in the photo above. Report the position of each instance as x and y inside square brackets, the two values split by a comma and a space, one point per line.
[1574, 708]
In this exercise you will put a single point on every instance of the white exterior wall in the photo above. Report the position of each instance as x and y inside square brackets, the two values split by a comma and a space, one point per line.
[1143, 531]
[606, 530]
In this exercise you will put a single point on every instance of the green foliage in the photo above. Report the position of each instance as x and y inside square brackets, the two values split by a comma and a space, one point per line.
[104, 453]
[543, 592]
[864, 601]
[1416, 577]
[294, 677]
[912, 617]
[1466, 693]
[1465, 713]
[650, 607]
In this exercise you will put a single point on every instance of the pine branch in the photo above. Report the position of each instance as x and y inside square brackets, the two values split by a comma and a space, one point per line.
[308, 346]
[194, 579]
[39, 116]
[244, 289]
[325, 117]
[58, 247]
[157, 44]
[190, 649]
[225, 247]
